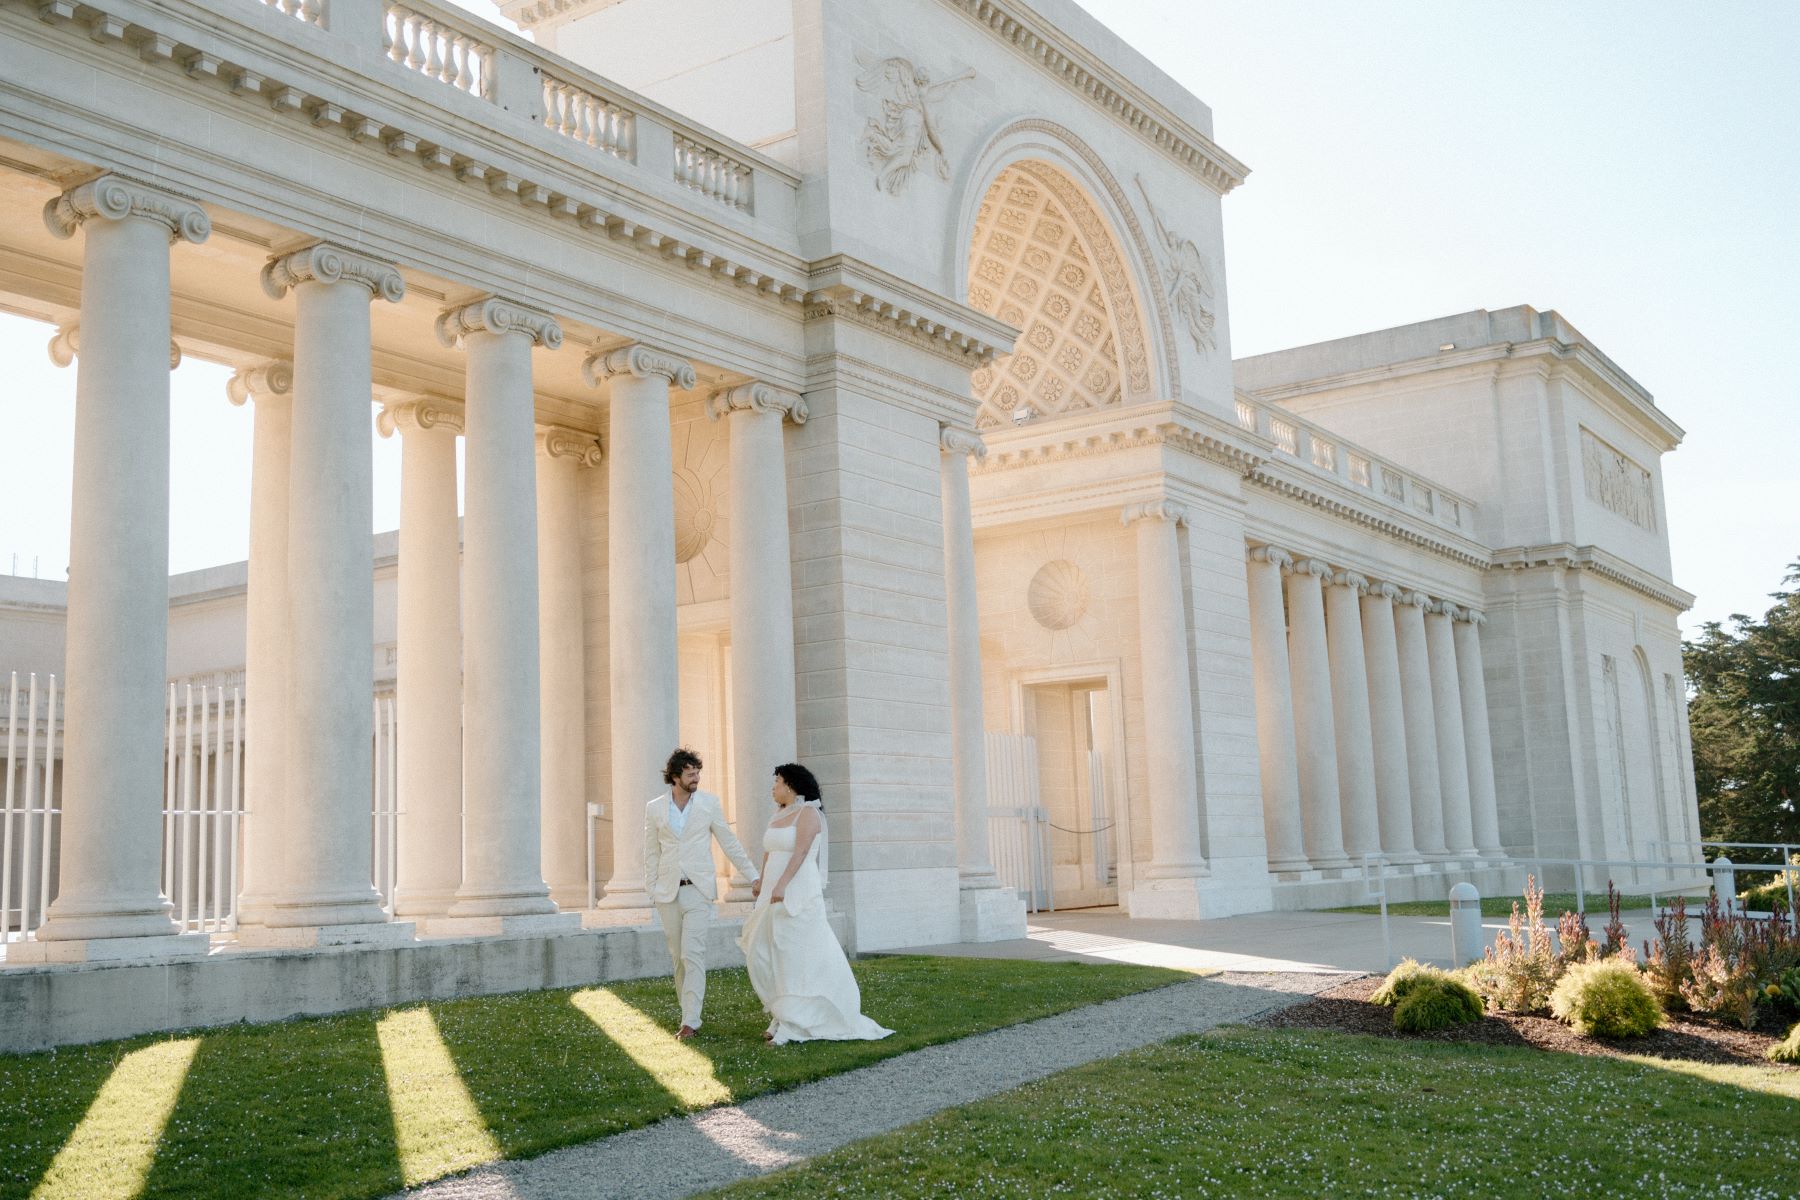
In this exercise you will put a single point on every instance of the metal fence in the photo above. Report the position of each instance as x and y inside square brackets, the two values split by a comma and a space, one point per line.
[1018, 825]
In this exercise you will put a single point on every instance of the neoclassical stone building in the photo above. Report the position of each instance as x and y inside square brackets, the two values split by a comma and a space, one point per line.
[835, 380]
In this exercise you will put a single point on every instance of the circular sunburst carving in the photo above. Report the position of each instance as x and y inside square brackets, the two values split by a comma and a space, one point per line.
[695, 514]
[1058, 594]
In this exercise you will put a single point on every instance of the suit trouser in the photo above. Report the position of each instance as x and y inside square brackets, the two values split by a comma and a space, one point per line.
[686, 921]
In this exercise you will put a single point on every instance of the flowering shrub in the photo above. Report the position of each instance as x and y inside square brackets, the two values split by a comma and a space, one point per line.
[1616, 943]
[1785, 990]
[1607, 998]
[1739, 958]
[1669, 958]
[1574, 944]
[1516, 973]
[1436, 1001]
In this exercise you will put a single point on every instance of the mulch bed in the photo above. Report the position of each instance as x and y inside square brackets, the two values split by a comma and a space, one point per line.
[1346, 1008]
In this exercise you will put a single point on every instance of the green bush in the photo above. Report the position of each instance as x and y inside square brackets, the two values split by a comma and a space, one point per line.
[1609, 998]
[1787, 1049]
[1402, 979]
[1438, 1002]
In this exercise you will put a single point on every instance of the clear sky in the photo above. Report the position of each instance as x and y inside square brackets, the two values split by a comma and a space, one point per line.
[1635, 166]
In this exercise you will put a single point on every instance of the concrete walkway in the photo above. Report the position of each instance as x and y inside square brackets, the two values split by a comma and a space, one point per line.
[683, 1156]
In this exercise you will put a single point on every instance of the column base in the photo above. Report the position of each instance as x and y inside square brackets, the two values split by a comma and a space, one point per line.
[523, 902]
[311, 937]
[168, 947]
[991, 914]
[1332, 862]
[528, 925]
[635, 897]
[423, 902]
[1282, 866]
[359, 907]
[569, 897]
[107, 919]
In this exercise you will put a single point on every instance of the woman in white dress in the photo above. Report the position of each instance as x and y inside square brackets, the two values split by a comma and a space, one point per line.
[796, 965]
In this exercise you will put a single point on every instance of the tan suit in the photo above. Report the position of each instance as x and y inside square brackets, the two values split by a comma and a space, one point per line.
[672, 861]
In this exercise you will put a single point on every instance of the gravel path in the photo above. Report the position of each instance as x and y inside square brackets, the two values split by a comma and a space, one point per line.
[684, 1155]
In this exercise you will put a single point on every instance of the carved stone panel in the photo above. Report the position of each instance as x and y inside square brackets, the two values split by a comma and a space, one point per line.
[1616, 483]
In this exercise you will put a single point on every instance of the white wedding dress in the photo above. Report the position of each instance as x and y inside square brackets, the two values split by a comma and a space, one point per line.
[796, 965]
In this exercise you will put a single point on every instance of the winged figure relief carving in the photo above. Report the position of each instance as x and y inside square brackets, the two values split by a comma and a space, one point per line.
[905, 136]
[1190, 279]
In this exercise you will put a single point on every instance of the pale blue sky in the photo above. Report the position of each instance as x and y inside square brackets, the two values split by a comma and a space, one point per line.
[1634, 166]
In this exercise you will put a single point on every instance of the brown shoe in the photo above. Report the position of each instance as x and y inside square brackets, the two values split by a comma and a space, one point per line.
[686, 1032]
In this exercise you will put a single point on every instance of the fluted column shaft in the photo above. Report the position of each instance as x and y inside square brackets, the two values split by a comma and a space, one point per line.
[428, 649]
[1483, 802]
[641, 595]
[1315, 733]
[502, 872]
[1350, 713]
[118, 562]
[1387, 724]
[267, 637]
[1453, 754]
[1421, 725]
[764, 729]
[968, 733]
[563, 454]
[1168, 693]
[1275, 711]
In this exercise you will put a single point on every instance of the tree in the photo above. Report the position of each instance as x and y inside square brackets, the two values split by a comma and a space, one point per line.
[1744, 711]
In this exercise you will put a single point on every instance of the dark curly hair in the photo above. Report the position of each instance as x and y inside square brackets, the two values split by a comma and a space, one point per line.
[678, 762]
[800, 779]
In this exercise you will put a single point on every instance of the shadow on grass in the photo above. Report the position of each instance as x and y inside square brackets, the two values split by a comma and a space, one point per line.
[42, 1099]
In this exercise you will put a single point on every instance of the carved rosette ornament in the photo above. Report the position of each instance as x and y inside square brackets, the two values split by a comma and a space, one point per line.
[410, 416]
[640, 361]
[115, 198]
[962, 441]
[494, 315]
[273, 378]
[325, 263]
[756, 397]
[556, 441]
[1157, 510]
[1057, 595]
[65, 346]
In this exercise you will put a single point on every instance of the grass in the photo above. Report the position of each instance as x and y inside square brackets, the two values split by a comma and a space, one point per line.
[1244, 1112]
[363, 1104]
[1555, 903]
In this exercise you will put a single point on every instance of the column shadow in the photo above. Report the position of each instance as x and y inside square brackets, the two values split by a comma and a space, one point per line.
[43, 1097]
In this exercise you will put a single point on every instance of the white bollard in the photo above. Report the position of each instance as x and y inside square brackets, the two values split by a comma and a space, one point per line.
[1724, 875]
[1465, 925]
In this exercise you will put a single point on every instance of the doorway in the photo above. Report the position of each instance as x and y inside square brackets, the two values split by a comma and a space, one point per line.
[1074, 727]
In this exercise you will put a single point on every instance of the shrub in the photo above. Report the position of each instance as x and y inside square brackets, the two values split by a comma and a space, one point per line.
[1764, 897]
[1615, 944]
[1787, 1049]
[1607, 998]
[1436, 1002]
[1402, 979]
[1574, 943]
[1669, 959]
[1739, 958]
[1517, 972]
[1785, 990]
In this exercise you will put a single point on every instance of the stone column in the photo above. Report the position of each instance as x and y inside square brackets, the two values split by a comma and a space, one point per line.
[562, 659]
[763, 723]
[1482, 800]
[1453, 754]
[118, 593]
[502, 874]
[1350, 713]
[325, 893]
[428, 682]
[1387, 724]
[641, 581]
[267, 637]
[1275, 711]
[1315, 733]
[1421, 725]
[1174, 780]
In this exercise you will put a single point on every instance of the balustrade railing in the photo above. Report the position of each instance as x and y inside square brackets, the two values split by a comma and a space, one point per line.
[438, 49]
[712, 173]
[577, 113]
[310, 11]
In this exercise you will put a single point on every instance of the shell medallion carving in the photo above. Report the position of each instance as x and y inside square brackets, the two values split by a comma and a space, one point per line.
[696, 512]
[1057, 595]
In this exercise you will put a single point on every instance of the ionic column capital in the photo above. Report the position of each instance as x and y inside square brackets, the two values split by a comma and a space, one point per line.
[1446, 608]
[325, 263]
[1473, 618]
[494, 315]
[1387, 591]
[1350, 579]
[1158, 510]
[272, 378]
[65, 345]
[1312, 566]
[556, 441]
[412, 416]
[640, 361]
[952, 440]
[115, 198]
[757, 397]
[1418, 600]
[1272, 555]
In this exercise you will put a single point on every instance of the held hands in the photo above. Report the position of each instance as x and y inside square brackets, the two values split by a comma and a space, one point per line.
[756, 886]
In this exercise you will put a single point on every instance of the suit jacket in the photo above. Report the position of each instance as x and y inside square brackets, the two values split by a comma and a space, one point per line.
[669, 859]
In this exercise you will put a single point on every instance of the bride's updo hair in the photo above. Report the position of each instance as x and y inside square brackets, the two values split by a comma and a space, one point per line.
[801, 780]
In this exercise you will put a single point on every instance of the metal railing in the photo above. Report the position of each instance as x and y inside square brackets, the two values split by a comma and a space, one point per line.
[1018, 826]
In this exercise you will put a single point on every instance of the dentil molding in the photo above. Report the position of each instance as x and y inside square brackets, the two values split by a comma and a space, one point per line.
[757, 397]
[324, 263]
[116, 198]
[640, 361]
[65, 346]
[494, 315]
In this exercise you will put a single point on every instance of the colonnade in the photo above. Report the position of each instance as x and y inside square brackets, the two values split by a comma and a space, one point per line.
[1371, 719]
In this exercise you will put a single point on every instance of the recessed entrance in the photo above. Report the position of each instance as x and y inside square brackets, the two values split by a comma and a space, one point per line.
[1072, 725]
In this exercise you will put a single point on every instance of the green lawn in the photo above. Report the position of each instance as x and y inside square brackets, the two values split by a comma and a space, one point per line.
[1555, 904]
[1245, 1112]
[362, 1104]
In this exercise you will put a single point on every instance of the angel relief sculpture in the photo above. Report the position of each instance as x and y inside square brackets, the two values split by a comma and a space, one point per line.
[1190, 282]
[905, 135]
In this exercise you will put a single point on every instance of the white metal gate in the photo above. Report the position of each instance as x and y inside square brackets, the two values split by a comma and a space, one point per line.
[1018, 825]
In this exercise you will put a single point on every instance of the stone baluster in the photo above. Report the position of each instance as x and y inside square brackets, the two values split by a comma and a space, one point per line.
[1315, 733]
[1282, 824]
[1453, 754]
[109, 881]
[1482, 799]
[428, 652]
[502, 874]
[1350, 713]
[763, 716]
[641, 575]
[1421, 725]
[1387, 724]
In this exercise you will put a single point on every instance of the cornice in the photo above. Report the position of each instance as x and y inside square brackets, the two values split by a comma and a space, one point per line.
[323, 262]
[1568, 556]
[1108, 90]
[412, 416]
[758, 397]
[116, 198]
[264, 381]
[65, 346]
[641, 362]
[846, 287]
[494, 315]
[557, 441]
[965, 442]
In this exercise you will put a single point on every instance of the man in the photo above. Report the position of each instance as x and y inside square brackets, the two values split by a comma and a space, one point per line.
[679, 827]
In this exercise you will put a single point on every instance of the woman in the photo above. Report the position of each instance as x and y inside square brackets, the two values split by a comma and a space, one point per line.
[796, 965]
